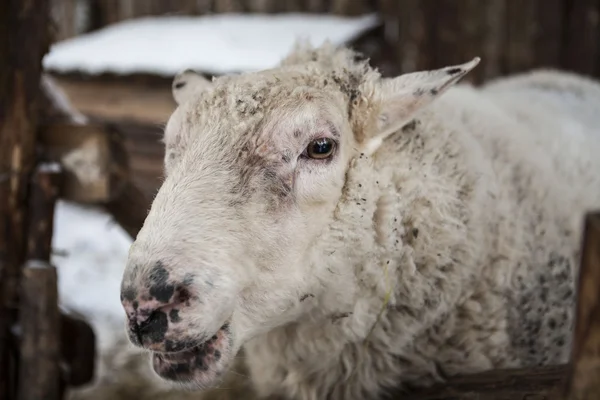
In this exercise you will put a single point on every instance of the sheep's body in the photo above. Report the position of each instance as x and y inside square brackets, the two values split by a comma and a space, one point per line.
[452, 249]
[489, 186]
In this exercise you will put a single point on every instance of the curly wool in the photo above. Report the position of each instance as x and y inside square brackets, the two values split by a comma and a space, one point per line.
[463, 227]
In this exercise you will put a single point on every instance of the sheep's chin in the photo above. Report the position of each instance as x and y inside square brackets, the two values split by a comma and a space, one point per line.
[199, 367]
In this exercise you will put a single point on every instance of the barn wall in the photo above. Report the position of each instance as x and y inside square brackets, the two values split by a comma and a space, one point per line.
[509, 35]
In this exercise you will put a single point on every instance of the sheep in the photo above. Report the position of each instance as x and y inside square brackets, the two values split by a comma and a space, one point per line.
[351, 234]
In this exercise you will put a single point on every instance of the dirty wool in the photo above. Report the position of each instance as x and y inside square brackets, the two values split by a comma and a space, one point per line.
[325, 233]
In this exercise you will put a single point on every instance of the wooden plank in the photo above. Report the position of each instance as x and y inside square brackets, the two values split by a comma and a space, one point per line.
[584, 379]
[493, 56]
[350, 7]
[548, 35]
[93, 152]
[388, 13]
[133, 147]
[580, 51]
[316, 6]
[39, 372]
[521, 32]
[63, 19]
[412, 47]
[227, 6]
[447, 22]
[93, 157]
[473, 33]
[106, 12]
[120, 99]
[145, 152]
[24, 39]
[202, 6]
[44, 191]
[96, 158]
[543, 383]
[373, 45]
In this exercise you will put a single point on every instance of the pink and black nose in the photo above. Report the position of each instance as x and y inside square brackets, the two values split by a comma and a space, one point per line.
[153, 307]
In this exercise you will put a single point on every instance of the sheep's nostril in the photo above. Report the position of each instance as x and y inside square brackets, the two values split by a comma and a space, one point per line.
[154, 328]
[148, 321]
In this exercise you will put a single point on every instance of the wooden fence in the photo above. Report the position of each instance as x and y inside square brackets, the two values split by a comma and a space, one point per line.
[42, 350]
[509, 35]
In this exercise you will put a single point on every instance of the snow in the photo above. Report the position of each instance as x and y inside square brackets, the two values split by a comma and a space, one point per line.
[90, 254]
[218, 44]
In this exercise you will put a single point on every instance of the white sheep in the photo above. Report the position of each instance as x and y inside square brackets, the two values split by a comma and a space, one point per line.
[353, 234]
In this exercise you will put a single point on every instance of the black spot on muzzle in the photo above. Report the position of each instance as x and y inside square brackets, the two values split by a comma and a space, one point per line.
[160, 289]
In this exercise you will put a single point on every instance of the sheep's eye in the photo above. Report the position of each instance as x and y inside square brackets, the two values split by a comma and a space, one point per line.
[320, 148]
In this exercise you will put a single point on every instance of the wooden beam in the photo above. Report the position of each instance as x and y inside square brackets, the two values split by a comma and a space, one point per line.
[96, 164]
[97, 153]
[119, 99]
[584, 378]
[145, 152]
[542, 383]
[24, 39]
[580, 51]
[94, 159]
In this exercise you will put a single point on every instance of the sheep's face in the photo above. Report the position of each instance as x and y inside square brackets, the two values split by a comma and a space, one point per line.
[255, 166]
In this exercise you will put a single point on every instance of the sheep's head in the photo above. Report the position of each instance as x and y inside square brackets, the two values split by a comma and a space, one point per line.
[255, 167]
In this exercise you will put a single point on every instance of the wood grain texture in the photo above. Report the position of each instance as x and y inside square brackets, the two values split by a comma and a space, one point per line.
[24, 39]
[39, 317]
[580, 50]
[542, 383]
[584, 379]
[44, 191]
[39, 320]
[93, 156]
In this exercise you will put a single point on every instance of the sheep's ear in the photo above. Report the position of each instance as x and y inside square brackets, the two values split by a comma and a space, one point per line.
[403, 96]
[186, 84]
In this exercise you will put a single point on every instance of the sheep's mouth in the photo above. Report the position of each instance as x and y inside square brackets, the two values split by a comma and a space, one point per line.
[198, 366]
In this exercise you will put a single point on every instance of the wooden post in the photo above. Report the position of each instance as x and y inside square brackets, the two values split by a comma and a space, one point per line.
[39, 371]
[39, 316]
[44, 191]
[23, 42]
[584, 380]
